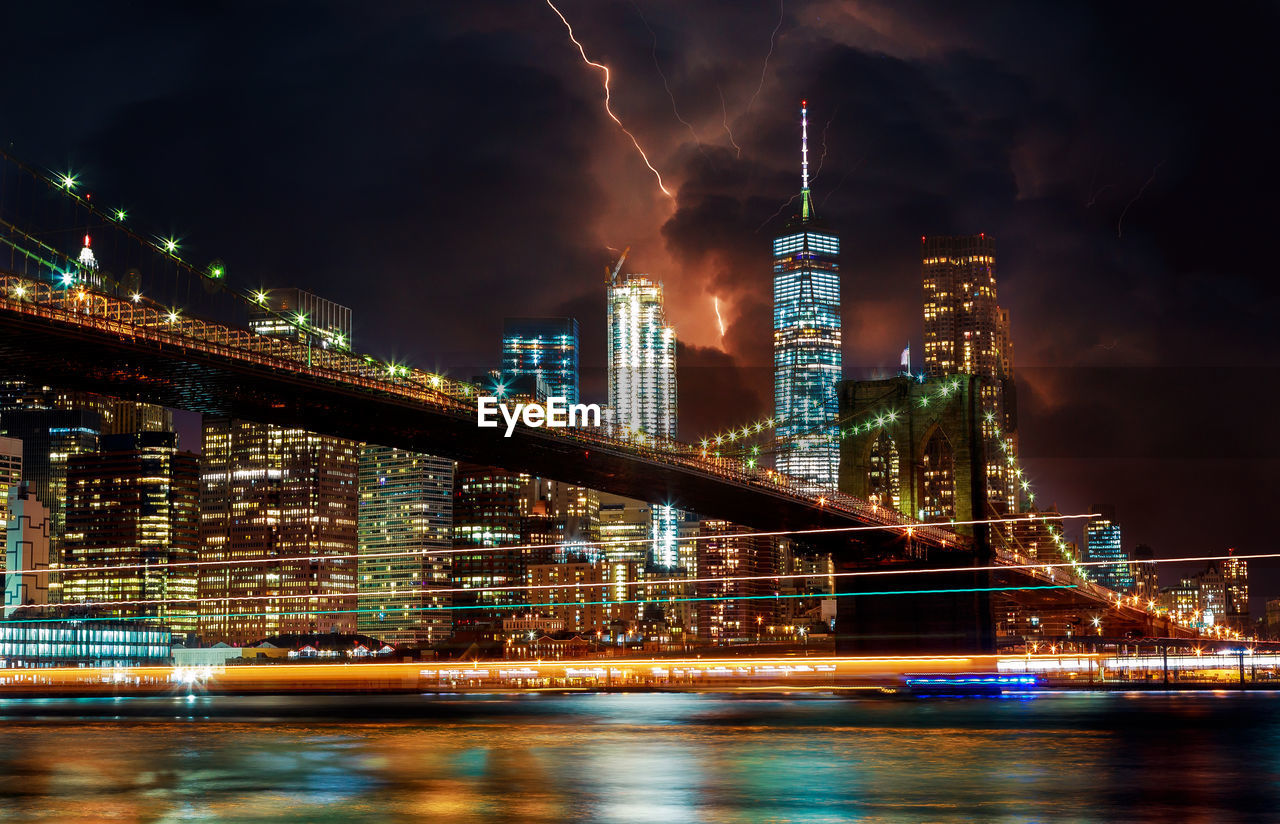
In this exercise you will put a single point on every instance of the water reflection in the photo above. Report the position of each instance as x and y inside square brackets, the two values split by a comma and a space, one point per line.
[634, 758]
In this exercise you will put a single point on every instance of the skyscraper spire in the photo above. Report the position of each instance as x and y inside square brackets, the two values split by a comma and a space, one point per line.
[806, 209]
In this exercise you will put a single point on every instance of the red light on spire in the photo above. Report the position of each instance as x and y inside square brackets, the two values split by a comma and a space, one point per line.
[86, 241]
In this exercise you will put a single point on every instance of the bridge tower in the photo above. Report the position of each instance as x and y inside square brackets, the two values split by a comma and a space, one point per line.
[917, 447]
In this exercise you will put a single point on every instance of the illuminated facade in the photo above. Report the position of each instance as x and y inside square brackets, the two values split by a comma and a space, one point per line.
[280, 313]
[487, 516]
[546, 348]
[1235, 581]
[26, 547]
[587, 597]
[966, 332]
[133, 504]
[10, 473]
[274, 503]
[734, 610]
[406, 506]
[642, 384]
[1102, 544]
[642, 358]
[807, 355]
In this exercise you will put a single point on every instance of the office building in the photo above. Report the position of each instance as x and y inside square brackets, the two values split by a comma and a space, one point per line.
[1146, 581]
[26, 548]
[25, 644]
[736, 609]
[546, 348]
[132, 511]
[278, 511]
[807, 355]
[405, 528]
[286, 313]
[10, 473]
[967, 333]
[642, 358]
[586, 597]
[1235, 579]
[1103, 551]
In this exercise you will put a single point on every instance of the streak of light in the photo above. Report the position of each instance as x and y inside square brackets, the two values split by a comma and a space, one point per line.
[782, 14]
[527, 605]
[575, 545]
[773, 216]
[719, 319]
[608, 97]
[823, 158]
[665, 85]
[841, 183]
[1120, 222]
[724, 118]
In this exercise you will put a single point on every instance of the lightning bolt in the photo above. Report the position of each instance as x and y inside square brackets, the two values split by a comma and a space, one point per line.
[719, 319]
[814, 177]
[1120, 222]
[675, 110]
[724, 112]
[841, 183]
[770, 218]
[608, 97]
[782, 13]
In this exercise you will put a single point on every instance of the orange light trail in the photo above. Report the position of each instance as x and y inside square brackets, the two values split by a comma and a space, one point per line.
[607, 98]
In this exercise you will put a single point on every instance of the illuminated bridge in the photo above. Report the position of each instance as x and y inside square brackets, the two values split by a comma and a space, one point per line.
[66, 324]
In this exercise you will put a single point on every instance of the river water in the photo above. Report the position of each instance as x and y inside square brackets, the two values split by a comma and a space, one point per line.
[1208, 757]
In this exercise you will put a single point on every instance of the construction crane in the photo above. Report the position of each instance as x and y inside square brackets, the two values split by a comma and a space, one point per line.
[611, 276]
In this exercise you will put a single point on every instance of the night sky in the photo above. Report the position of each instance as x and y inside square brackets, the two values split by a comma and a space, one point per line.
[438, 166]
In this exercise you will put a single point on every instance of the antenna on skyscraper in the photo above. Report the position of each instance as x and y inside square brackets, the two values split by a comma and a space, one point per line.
[804, 145]
[804, 160]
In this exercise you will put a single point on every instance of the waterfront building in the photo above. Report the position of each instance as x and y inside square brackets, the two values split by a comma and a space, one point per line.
[1235, 578]
[546, 348]
[586, 597]
[278, 513]
[134, 505]
[405, 532]
[736, 609]
[807, 355]
[27, 644]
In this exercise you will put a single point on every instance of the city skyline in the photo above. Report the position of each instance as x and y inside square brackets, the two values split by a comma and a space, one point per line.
[1104, 175]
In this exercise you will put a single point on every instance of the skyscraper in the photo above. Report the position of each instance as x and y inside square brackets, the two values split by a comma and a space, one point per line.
[274, 503]
[732, 589]
[1102, 544]
[1235, 579]
[642, 385]
[546, 348]
[10, 473]
[807, 355]
[966, 332]
[642, 358]
[133, 505]
[406, 507]
[26, 548]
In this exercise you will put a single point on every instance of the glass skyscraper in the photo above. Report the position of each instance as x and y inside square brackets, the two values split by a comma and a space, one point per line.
[1102, 543]
[642, 358]
[546, 348]
[806, 339]
[642, 384]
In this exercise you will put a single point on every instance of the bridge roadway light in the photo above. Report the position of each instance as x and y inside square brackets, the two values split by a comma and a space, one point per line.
[121, 214]
[68, 181]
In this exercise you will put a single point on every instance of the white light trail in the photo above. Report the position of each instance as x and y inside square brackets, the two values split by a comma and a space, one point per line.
[578, 545]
